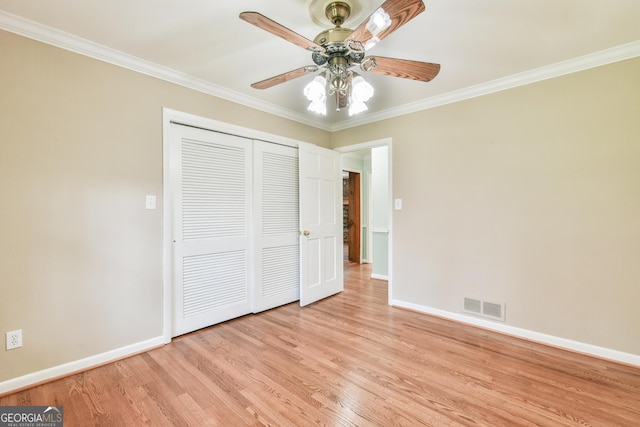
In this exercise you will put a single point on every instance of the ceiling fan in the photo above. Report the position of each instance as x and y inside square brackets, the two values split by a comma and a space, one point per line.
[337, 50]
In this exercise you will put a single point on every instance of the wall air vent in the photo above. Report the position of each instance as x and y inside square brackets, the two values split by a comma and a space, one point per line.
[488, 309]
[473, 305]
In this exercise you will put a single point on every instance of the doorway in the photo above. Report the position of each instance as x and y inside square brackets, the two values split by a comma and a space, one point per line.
[372, 162]
[351, 217]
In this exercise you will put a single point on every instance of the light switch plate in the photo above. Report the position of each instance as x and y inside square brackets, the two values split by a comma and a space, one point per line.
[150, 202]
[397, 204]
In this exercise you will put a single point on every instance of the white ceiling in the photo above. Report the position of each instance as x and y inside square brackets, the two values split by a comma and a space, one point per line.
[474, 41]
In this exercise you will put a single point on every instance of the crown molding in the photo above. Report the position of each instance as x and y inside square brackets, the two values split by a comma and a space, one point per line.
[54, 37]
[42, 33]
[597, 59]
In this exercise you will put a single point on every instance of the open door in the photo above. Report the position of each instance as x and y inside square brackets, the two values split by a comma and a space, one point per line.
[320, 223]
[353, 218]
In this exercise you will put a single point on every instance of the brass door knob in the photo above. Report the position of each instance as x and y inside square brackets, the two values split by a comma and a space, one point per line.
[306, 233]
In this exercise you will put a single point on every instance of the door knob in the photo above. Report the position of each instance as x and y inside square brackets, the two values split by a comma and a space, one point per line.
[306, 233]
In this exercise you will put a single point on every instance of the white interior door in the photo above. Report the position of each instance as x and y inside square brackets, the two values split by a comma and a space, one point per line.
[210, 174]
[320, 223]
[276, 225]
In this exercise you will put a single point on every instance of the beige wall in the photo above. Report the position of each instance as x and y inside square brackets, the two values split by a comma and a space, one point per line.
[529, 196]
[80, 147]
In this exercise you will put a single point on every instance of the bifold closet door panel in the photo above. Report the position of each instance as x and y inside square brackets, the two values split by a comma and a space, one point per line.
[211, 181]
[276, 225]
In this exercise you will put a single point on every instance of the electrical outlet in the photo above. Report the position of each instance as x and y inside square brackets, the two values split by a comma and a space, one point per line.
[14, 339]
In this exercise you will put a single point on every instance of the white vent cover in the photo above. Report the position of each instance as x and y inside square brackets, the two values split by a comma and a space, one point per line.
[489, 309]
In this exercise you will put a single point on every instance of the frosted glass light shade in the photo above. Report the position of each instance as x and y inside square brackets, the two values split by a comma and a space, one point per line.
[315, 89]
[319, 105]
[357, 107]
[361, 90]
[378, 22]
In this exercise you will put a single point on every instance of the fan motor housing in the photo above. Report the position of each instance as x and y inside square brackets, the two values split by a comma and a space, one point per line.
[332, 35]
[333, 42]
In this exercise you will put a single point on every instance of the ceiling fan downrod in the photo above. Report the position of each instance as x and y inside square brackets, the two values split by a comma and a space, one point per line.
[337, 12]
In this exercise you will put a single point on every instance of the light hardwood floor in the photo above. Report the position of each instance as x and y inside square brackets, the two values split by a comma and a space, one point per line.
[349, 360]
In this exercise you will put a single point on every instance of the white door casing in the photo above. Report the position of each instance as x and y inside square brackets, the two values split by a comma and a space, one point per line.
[320, 223]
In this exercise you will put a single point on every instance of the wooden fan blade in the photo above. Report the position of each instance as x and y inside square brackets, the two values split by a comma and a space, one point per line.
[284, 77]
[400, 12]
[404, 68]
[281, 31]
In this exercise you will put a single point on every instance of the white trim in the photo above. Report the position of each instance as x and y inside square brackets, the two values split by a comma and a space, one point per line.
[79, 365]
[364, 145]
[597, 59]
[369, 218]
[52, 36]
[380, 230]
[576, 346]
[379, 276]
[167, 230]
[169, 115]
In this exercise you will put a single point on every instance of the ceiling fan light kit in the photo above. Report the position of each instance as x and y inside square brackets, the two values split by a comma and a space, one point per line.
[315, 91]
[337, 50]
[378, 22]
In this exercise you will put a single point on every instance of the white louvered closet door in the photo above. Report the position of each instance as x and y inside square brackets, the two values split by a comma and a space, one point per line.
[277, 248]
[211, 177]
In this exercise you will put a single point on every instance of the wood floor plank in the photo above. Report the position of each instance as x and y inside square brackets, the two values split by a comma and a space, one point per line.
[348, 360]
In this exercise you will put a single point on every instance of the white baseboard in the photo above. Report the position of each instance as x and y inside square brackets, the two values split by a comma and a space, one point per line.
[380, 276]
[576, 346]
[79, 365]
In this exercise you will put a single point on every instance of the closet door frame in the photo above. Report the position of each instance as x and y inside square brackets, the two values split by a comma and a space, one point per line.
[170, 116]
